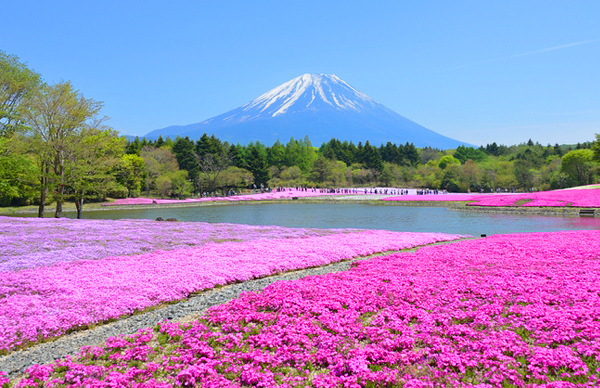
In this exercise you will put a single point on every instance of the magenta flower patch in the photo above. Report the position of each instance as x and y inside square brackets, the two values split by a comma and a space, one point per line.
[507, 310]
[42, 302]
[556, 198]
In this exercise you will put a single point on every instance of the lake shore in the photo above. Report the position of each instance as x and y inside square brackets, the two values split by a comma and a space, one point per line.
[372, 199]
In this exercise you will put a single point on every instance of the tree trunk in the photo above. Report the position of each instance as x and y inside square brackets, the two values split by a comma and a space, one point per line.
[43, 190]
[43, 195]
[79, 206]
[61, 189]
[59, 203]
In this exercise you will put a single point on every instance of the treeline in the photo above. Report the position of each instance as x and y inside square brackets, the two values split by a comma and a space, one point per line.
[55, 146]
[214, 165]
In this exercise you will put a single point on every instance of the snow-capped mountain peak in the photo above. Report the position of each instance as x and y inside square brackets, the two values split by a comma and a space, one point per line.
[319, 106]
[308, 92]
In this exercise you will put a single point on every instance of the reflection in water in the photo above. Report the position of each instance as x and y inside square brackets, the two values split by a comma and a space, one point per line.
[367, 216]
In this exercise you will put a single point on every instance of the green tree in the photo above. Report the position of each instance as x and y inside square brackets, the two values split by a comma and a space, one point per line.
[134, 147]
[450, 178]
[234, 177]
[276, 154]
[211, 166]
[257, 165]
[181, 185]
[523, 171]
[469, 176]
[131, 174]
[59, 117]
[428, 153]
[236, 155]
[17, 83]
[371, 158]
[429, 175]
[292, 152]
[447, 160]
[578, 166]
[596, 148]
[464, 153]
[17, 174]
[322, 169]
[339, 173]
[307, 155]
[387, 176]
[164, 185]
[159, 142]
[89, 169]
[288, 176]
[410, 153]
[505, 176]
[212, 158]
[157, 162]
[184, 151]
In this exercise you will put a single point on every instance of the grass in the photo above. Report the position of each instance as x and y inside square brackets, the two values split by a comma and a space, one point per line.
[49, 210]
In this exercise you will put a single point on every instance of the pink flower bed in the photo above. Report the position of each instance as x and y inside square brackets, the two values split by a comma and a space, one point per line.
[47, 301]
[507, 310]
[437, 197]
[35, 242]
[287, 194]
[572, 197]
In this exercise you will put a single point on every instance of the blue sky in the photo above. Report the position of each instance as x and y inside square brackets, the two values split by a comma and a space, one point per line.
[476, 71]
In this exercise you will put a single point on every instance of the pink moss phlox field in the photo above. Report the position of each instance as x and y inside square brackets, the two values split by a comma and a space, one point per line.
[438, 197]
[47, 301]
[507, 310]
[287, 194]
[572, 197]
[34, 242]
[556, 198]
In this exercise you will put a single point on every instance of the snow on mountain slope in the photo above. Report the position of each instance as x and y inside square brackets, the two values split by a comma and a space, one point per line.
[318, 105]
[309, 91]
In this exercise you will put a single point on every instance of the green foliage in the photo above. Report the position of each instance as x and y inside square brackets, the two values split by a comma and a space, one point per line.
[276, 155]
[464, 153]
[17, 83]
[447, 160]
[450, 178]
[596, 148]
[184, 149]
[117, 191]
[130, 173]
[157, 162]
[370, 157]
[235, 177]
[523, 171]
[579, 167]
[135, 147]
[495, 149]
[297, 153]
[256, 163]
[60, 120]
[89, 168]
[17, 176]
[181, 186]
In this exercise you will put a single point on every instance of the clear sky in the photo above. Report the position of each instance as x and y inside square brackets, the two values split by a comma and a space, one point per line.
[477, 71]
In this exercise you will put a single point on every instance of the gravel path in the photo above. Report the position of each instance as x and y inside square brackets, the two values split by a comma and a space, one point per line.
[16, 363]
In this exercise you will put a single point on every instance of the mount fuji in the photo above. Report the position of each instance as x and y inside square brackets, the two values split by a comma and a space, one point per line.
[318, 105]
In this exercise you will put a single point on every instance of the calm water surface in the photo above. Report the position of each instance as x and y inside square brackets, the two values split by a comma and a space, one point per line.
[367, 216]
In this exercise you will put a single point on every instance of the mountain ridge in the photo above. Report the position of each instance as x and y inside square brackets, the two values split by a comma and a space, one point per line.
[318, 105]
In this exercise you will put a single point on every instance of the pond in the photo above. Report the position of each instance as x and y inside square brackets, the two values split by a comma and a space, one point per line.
[367, 216]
